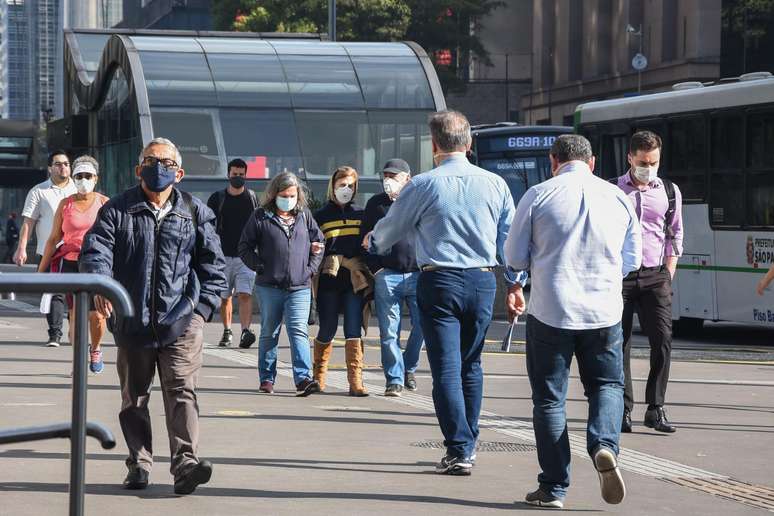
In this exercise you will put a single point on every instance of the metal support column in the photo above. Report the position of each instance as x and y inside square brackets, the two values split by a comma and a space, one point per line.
[80, 375]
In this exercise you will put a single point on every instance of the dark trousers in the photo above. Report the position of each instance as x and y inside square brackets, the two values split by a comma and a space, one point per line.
[55, 315]
[330, 303]
[10, 249]
[549, 356]
[649, 292]
[456, 309]
[178, 365]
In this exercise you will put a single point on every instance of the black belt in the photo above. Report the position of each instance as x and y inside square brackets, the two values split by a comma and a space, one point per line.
[656, 268]
[431, 268]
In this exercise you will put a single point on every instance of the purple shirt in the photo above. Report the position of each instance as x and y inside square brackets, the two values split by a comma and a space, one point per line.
[651, 204]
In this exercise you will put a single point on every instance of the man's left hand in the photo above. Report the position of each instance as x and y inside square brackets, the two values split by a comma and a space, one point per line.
[367, 240]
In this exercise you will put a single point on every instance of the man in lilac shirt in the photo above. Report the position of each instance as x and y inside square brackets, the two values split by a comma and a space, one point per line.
[649, 289]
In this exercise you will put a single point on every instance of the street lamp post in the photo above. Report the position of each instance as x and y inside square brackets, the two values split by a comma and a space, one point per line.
[639, 62]
[332, 20]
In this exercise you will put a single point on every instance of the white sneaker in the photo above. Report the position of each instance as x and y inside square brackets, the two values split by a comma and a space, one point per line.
[611, 482]
[52, 343]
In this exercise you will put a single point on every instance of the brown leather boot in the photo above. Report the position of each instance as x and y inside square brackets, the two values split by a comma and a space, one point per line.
[354, 356]
[322, 353]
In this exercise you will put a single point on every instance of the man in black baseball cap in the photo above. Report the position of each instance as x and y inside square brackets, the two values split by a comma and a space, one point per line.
[395, 282]
[396, 174]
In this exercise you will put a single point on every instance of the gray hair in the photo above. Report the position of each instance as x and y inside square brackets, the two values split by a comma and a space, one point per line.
[450, 130]
[85, 159]
[163, 141]
[280, 183]
[571, 147]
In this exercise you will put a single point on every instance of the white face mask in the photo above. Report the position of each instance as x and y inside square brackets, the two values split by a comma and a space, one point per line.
[343, 194]
[85, 186]
[392, 187]
[645, 174]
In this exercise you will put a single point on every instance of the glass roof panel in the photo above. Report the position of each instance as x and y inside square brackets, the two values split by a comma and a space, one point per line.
[178, 79]
[378, 49]
[236, 46]
[393, 82]
[308, 47]
[166, 44]
[249, 80]
[322, 81]
[91, 47]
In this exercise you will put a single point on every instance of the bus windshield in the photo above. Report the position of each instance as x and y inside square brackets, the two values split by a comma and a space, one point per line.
[520, 173]
[517, 153]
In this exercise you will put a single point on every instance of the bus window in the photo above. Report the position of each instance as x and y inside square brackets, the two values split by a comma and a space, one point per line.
[614, 150]
[760, 172]
[687, 148]
[726, 182]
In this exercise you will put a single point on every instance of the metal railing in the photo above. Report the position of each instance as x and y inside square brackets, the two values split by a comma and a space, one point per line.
[83, 286]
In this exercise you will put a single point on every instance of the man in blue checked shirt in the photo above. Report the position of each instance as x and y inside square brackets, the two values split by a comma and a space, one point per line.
[459, 216]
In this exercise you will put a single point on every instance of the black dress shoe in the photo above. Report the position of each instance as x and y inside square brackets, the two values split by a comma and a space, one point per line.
[656, 419]
[199, 474]
[626, 424]
[137, 478]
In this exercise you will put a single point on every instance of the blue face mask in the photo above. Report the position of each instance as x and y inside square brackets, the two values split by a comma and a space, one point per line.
[286, 203]
[157, 178]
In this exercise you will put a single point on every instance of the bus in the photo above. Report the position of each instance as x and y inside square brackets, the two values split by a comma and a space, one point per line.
[517, 153]
[719, 149]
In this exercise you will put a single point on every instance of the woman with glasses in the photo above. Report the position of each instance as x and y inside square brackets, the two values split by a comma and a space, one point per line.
[74, 217]
[343, 279]
[282, 244]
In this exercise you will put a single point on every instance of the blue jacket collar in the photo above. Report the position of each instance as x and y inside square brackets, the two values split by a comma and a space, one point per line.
[137, 201]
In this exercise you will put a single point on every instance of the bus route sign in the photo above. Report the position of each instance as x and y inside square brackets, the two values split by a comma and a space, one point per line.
[516, 143]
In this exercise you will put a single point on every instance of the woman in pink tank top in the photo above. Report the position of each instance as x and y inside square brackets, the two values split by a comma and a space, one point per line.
[74, 217]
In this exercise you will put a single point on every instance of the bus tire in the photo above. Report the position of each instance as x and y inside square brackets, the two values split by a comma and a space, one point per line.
[687, 327]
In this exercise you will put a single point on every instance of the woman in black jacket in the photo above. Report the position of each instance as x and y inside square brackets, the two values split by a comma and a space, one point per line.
[340, 221]
[283, 244]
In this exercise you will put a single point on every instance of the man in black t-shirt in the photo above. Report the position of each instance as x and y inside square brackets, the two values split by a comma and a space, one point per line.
[233, 207]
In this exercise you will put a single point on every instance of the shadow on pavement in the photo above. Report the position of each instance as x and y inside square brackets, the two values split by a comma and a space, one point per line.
[154, 492]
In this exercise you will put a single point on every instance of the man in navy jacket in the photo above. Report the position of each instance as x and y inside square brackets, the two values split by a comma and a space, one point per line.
[160, 244]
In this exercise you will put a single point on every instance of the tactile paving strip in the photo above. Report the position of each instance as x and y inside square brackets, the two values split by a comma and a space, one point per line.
[483, 446]
[753, 495]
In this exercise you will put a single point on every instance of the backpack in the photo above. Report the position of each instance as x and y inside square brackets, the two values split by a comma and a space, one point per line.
[221, 199]
[669, 189]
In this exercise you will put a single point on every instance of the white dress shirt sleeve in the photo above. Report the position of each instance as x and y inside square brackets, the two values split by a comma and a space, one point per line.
[518, 245]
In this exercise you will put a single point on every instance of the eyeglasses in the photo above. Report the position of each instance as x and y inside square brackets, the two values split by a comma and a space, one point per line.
[151, 161]
[84, 175]
[61, 164]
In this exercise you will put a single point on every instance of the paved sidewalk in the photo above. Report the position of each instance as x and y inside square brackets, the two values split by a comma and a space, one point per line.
[332, 454]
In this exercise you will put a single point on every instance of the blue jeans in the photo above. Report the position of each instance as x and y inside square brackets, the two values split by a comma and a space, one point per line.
[330, 303]
[600, 362]
[292, 306]
[456, 309]
[391, 288]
